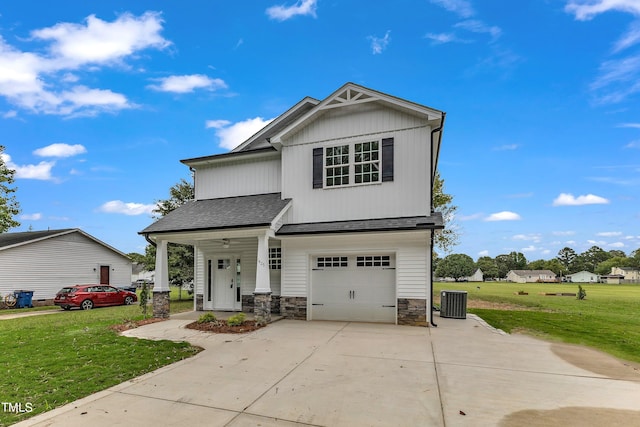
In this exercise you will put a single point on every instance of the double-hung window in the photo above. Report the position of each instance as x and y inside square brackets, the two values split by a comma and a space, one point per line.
[366, 162]
[336, 161]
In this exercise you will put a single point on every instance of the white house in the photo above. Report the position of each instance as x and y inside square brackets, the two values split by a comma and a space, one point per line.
[531, 276]
[139, 273]
[46, 261]
[583, 277]
[326, 213]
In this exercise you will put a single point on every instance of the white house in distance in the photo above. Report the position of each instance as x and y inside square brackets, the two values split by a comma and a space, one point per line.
[326, 213]
[46, 261]
[531, 276]
[583, 277]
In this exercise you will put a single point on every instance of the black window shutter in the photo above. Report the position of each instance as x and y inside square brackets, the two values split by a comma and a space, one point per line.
[317, 167]
[387, 159]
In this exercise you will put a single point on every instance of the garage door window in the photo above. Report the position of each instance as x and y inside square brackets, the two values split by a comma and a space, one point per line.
[373, 261]
[335, 261]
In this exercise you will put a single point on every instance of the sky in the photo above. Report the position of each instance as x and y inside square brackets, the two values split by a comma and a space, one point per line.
[99, 101]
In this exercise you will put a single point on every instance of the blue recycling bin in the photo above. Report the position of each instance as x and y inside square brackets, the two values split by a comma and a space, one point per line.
[23, 298]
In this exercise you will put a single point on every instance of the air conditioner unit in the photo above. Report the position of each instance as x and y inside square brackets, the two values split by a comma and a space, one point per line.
[453, 304]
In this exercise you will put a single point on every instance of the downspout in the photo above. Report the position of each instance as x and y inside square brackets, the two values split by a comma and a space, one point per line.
[151, 242]
[433, 176]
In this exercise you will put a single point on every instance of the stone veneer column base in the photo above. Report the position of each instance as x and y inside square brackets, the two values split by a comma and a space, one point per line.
[412, 312]
[248, 303]
[293, 307]
[262, 307]
[199, 302]
[161, 304]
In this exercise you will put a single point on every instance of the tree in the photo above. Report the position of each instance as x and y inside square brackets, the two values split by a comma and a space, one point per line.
[592, 257]
[517, 261]
[456, 266]
[180, 260]
[488, 266]
[502, 263]
[605, 266]
[566, 256]
[9, 206]
[445, 239]
[539, 264]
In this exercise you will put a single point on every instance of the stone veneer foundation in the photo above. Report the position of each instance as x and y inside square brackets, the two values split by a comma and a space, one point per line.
[161, 305]
[199, 302]
[412, 312]
[262, 307]
[293, 308]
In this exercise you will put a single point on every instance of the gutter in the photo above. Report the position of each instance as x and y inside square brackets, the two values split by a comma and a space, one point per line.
[433, 175]
[148, 239]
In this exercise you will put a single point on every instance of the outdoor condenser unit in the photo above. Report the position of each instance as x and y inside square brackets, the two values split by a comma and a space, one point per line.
[453, 304]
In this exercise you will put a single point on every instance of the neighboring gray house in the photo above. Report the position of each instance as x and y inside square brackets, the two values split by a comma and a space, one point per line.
[583, 277]
[531, 276]
[478, 276]
[138, 272]
[324, 214]
[45, 261]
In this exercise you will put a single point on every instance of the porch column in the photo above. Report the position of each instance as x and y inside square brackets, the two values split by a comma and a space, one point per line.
[262, 293]
[161, 284]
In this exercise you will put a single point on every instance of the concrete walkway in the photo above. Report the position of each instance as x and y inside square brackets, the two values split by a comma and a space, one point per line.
[462, 373]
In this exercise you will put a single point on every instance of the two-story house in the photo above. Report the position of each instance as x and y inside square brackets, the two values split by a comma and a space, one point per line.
[324, 214]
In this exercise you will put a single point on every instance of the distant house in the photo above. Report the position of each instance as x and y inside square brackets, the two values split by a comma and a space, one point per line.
[583, 277]
[45, 261]
[478, 276]
[612, 279]
[531, 276]
[630, 274]
[138, 272]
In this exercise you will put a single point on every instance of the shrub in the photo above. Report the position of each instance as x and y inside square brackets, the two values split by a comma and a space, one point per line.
[144, 299]
[236, 319]
[207, 318]
[582, 294]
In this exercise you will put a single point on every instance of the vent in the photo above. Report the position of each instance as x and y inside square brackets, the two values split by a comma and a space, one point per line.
[453, 304]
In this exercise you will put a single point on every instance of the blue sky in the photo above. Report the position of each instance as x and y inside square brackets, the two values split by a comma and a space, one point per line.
[100, 100]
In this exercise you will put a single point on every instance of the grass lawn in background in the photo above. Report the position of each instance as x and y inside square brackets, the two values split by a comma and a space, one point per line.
[54, 359]
[608, 319]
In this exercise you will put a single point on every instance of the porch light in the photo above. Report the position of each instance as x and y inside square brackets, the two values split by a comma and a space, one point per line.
[225, 243]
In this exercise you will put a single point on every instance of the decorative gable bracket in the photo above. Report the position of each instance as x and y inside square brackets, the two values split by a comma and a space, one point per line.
[349, 96]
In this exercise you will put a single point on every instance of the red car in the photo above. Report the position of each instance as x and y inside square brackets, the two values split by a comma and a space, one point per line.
[88, 296]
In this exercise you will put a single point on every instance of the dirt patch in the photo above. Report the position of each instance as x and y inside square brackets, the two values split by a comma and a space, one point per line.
[473, 303]
[131, 324]
[597, 362]
[220, 327]
[572, 416]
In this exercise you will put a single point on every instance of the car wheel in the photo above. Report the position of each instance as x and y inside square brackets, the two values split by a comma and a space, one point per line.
[128, 301]
[66, 308]
[87, 304]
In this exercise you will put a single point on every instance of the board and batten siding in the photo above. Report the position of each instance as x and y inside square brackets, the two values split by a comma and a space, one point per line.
[413, 261]
[46, 266]
[407, 195]
[238, 178]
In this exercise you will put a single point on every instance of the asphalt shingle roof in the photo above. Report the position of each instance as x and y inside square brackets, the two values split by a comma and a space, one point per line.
[384, 224]
[10, 239]
[228, 212]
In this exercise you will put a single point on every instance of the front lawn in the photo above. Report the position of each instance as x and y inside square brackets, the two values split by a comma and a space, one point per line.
[53, 359]
[606, 320]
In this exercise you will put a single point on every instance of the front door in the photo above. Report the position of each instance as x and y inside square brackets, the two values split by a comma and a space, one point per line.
[224, 283]
[104, 274]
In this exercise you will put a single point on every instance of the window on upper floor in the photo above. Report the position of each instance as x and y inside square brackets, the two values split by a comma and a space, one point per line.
[365, 162]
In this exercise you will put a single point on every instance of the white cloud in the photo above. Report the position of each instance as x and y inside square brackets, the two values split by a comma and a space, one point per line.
[563, 233]
[483, 253]
[469, 217]
[566, 199]
[628, 39]
[42, 82]
[587, 9]
[462, 8]
[503, 216]
[187, 83]
[441, 38]
[506, 147]
[232, 135]
[570, 242]
[529, 248]
[609, 234]
[616, 245]
[629, 125]
[120, 207]
[301, 8]
[617, 80]
[41, 171]
[379, 44]
[60, 150]
[528, 237]
[476, 26]
[31, 217]
[10, 114]
[633, 144]
[596, 242]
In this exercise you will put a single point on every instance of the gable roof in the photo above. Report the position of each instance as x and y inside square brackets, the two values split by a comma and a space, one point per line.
[228, 212]
[533, 272]
[12, 240]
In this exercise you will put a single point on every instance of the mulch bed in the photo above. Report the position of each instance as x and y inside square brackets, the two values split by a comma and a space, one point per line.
[134, 324]
[221, 327]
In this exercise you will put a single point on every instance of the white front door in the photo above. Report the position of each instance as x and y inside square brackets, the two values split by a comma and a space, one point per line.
[223, 283]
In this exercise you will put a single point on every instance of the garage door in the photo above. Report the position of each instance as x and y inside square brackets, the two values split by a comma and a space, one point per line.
[358, 288]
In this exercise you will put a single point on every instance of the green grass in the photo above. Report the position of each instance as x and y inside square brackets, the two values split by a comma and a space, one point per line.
[606, 320]
[54, 359]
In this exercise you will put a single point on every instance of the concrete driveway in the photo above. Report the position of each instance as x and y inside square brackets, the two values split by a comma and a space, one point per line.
[462, 373]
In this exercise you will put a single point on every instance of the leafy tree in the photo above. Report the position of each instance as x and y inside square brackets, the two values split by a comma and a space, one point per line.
[9, 206]
[556, 266]
[445, 239]
[566, 256]
[181, 257]
[517, 261]
[539, 264]
[605, 266]
[503, 265]
[456, 266]
[488, 266]
[617, 253]
[592, 257]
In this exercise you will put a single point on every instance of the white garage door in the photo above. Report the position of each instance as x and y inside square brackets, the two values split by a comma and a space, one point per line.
[358, 288]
